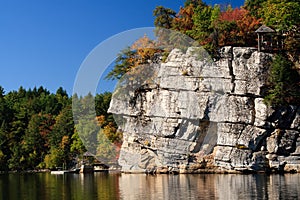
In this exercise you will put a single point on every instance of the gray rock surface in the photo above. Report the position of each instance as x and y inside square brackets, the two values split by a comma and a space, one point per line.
[191, 114]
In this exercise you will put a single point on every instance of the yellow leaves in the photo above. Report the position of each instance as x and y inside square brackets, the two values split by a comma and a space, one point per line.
[183, 20]
[143, 42]
[22, 159]
[64, 142]
[111, 133]
[101, 120]
[141, 52]
[241, 146]
[109, 129]
[145, 49]
[2, 156]
[281, 15]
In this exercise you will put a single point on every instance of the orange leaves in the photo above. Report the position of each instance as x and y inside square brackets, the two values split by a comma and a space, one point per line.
[109, 130]
[101, 120]
[145, 49]
[238, 27]
[142, 51]
[244, 21]
[143, 42]
[233, 15]
[183, 20]
[247, 22]
[64, 142]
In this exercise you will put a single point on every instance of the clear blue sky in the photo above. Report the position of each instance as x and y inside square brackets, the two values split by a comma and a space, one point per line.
[43, 43]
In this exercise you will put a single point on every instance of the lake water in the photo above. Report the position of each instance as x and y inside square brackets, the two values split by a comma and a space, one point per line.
[45, 186]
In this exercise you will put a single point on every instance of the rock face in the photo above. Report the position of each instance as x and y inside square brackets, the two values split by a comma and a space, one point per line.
[191, 114]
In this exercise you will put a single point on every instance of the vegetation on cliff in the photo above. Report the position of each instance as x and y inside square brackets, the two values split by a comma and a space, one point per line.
[283, 85]
[216, 26]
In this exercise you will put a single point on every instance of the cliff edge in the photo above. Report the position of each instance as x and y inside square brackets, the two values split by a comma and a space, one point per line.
[192, 115]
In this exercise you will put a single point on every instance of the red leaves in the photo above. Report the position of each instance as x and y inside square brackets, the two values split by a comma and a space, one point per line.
[239, 25]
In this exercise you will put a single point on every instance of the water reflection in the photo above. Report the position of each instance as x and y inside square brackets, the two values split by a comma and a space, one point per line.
[257, 186]
[139, 186]
[210, 186]
[134, 186]
[63, 187]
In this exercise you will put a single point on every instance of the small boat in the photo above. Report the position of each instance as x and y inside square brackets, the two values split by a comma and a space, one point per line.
[61, 172]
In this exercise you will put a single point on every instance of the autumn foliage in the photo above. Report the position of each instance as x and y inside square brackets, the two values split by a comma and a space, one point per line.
[145, 49]
[216, 26]
[141, 52]
[213, 26]
[237, 27]
[183, 20]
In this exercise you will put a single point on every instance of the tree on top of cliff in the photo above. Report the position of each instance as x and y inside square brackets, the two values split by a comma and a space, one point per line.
[194, 2]
[254, 6]
[212, 27]
[164, 17]
[145, 49]
[124, 62]
[141, 52]
[283, 15]
[237, 27]
[283, 83]
[183, 20]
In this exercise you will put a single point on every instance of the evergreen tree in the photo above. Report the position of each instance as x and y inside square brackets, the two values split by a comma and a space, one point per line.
[4, 148]
[35, 144]
[64, 126]
[283, 83]
[163, 17]
[86, 122]
[124, 62]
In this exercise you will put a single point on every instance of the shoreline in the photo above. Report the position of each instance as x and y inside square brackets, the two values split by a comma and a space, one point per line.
[26, 171]
[199, 171]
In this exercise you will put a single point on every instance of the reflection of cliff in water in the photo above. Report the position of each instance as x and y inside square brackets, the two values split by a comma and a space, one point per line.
[210, 186]
[140, 186]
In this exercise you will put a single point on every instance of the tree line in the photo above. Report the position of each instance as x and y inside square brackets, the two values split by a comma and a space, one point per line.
[216, 26]
[37, 129]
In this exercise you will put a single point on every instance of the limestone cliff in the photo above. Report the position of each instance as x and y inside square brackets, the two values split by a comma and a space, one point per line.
[191, 114]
